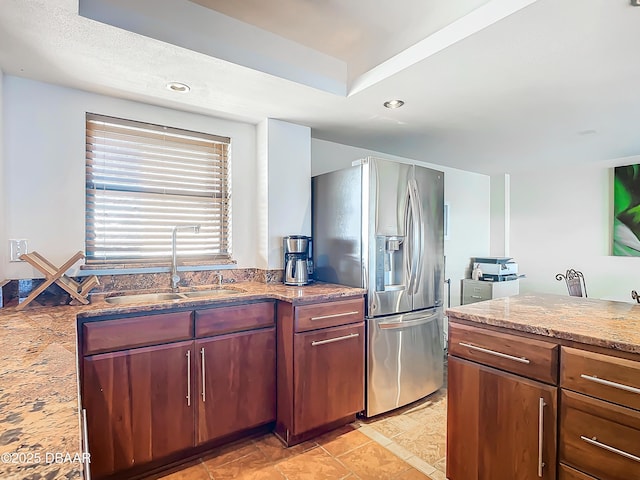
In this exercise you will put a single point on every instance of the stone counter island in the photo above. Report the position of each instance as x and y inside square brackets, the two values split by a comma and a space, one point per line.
[544, 386]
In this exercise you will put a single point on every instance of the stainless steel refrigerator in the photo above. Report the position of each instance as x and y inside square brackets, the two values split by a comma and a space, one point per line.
[379, 225]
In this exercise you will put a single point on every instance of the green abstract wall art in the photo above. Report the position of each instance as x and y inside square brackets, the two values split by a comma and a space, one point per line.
[626, 211]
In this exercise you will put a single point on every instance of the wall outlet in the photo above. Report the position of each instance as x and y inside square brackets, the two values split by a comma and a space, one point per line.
[17, 248]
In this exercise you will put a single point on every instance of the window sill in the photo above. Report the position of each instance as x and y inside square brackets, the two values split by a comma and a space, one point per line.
[156, 267]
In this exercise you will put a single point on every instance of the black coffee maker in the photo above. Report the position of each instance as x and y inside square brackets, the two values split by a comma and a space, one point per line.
[298, 266]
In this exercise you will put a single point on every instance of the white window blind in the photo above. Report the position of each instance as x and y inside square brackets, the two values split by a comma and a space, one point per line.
[142, 180]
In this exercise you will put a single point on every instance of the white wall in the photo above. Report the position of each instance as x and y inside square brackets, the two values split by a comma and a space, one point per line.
[467, 193]
[284, 176]
[500, 215]
[4, 245]
[563, 219]
[44, 145]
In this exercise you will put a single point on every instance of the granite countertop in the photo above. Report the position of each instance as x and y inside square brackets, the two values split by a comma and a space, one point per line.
[603, 323]
[39, 383]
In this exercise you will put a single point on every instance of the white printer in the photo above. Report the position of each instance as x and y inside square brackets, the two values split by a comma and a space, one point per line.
[496, 269]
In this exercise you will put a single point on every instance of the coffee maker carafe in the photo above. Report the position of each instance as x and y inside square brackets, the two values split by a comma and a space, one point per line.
[298, 266]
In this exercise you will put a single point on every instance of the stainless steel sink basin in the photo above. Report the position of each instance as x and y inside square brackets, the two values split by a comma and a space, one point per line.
[144, 297]
[210, 293]
[160, 297]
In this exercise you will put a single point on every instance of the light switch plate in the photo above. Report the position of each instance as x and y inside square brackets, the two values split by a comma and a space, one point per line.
[16, 248]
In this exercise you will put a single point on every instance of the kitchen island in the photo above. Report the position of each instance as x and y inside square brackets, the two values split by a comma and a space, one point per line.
[544, 386]
[39, 406]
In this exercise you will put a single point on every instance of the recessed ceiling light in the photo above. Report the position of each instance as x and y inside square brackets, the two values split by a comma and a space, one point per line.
[394, 103]
[178, 87]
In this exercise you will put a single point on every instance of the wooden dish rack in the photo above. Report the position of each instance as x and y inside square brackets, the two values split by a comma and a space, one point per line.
[78, 291]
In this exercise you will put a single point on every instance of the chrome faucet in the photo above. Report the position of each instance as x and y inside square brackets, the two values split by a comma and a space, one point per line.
[175, 278]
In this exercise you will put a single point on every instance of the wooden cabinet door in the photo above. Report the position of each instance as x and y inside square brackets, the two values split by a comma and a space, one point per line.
[493, 425]
[236, 382]
[328, 375]
[137, 405]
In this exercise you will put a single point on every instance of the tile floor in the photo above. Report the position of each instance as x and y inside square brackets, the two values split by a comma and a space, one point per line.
[407, 444]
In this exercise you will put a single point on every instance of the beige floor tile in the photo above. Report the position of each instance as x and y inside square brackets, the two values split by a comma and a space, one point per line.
[195, 472]
[250, 467]
[438, 475]
[374, 435]
[342, 440]
[374, 462]
[441, 465]
[428, 446]
[311, 465]
[404, 422]
[398, 451]
[386, 427]
[421, 465]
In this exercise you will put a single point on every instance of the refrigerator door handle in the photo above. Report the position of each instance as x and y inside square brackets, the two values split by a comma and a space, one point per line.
[414, 241]
[407, 324]
[409, 253]
[419, 234]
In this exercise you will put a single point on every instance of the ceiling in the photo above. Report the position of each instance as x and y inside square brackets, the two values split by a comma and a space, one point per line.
[490, 86]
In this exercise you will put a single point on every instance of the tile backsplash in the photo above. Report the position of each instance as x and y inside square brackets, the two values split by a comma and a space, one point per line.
[12, 290]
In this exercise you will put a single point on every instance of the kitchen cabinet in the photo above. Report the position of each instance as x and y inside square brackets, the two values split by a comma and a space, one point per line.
[600, 414]
[237, 383]
[480, 290]
[137, 406]
[320, 367]
[157, 386]
[502, 400]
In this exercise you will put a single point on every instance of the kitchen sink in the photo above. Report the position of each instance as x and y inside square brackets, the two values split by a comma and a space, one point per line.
[160, 297]
[144, 297]
[210, 293]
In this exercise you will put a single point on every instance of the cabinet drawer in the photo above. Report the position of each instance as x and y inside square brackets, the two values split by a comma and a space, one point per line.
[568, 473]
[599, 438]
[613, 379]
[111, 335]
[330, 314]
[476, 292]
[528, 357]
[218, 321]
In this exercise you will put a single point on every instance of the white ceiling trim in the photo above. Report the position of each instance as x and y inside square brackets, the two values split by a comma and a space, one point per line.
[460, 29]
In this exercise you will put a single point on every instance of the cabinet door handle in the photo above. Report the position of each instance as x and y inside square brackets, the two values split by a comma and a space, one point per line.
[204, 395]
[608, 383]
[336, 339]
[334, 315]
[540, 435]
[85, 450]
[493, 352]
[594, 441]
[188, 378]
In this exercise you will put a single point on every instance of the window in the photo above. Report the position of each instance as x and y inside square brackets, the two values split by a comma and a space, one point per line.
[143, 180]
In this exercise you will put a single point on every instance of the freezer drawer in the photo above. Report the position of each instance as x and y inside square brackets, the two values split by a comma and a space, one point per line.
[405, 359]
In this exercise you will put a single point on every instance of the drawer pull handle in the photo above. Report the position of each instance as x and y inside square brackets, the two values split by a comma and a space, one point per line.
[204, 383]
[334, 315]
[493, 352]
[476, 296]
[594, 441]
[336, 339]
[188, 378]
[611, 384]
[540, 435]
